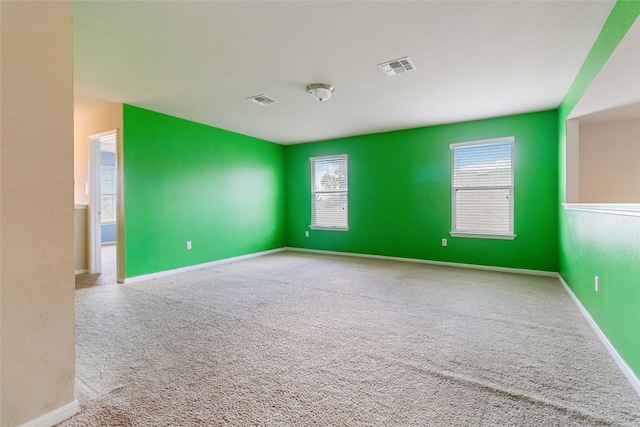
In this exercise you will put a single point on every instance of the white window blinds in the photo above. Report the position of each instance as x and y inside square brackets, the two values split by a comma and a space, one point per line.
[482, 188]
[329, 192]
[108, 193]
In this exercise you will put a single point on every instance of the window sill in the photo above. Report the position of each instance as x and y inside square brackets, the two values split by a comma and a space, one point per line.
[327, 228]
[629, 209]
[483, 235]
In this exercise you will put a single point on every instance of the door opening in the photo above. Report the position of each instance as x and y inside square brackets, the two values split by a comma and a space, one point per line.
[102, 204]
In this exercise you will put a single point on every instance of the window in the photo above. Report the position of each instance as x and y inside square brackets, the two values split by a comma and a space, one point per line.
[482, 188]
[329, 192]
[108, 193]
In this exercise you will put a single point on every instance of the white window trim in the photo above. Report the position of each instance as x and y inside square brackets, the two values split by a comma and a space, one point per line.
[484, 235]
[496, 236]
[326, 227]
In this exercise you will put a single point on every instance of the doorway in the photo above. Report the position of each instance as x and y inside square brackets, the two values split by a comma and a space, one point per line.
[103, 196]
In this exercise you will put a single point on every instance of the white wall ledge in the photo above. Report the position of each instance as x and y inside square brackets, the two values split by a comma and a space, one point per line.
[629, 209]
[482, 235]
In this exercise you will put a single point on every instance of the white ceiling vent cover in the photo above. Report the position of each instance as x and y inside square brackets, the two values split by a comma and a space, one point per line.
[397, 66]
[262, 100]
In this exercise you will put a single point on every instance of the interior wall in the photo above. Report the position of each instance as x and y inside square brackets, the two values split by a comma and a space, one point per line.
[90, 119]
[610, 162]
[602, 244]
[36, 210]
[400, 194]
[185, 181]
[80, 236]
[571, 155]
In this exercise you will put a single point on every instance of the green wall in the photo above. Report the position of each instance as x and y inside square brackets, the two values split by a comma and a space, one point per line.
[599, 244]
[400, 194]
[187, 181]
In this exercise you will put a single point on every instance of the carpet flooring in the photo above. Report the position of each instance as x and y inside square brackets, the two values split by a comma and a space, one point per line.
[294, 339]
[108, 275]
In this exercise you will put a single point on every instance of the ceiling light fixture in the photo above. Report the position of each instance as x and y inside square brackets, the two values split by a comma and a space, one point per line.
[320, 91]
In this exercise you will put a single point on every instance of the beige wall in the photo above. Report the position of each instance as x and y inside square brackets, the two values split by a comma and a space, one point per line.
[610, 162]
[36, 210]
[90, 117]
[80, 218]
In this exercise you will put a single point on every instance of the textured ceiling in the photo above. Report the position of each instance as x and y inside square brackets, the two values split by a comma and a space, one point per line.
[201, 60]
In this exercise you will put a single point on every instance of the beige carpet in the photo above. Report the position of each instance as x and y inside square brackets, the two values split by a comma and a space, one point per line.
[294, 339]
[108, 275]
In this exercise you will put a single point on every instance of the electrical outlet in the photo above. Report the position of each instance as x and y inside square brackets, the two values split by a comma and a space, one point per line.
[306, 233]
[188, 245]
[597, 284]
[444, 242]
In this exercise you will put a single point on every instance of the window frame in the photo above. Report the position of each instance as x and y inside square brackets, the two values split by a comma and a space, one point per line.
[112, 171]
[484, 234]
[312, 162]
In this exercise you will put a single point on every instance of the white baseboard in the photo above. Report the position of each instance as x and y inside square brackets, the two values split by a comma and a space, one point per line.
[56, 416]
[82, 271]
[626, 369]
[425, 261]
[165, 273]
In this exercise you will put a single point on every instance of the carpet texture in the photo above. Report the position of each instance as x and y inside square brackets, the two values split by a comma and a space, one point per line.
[107, 277]
[294, 339]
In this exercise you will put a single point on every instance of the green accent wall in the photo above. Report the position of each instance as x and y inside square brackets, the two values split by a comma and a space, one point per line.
[187, 181]
[600, 244]
[400, 194]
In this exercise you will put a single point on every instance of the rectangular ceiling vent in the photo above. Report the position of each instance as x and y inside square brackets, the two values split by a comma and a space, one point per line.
[262, 100]
[397, 66]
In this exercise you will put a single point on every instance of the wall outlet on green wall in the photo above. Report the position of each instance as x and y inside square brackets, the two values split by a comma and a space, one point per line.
[188, 245]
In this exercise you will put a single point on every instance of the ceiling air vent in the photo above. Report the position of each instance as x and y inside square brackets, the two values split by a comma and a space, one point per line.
[262, 100]
[397, 66]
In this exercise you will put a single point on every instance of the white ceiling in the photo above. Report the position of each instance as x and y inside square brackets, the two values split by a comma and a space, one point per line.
[201, 60]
